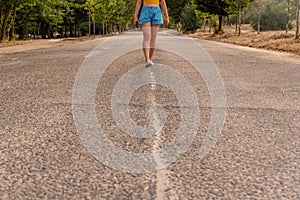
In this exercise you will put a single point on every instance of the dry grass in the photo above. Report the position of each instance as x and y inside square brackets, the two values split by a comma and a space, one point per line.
[275, 40]
[7, 43]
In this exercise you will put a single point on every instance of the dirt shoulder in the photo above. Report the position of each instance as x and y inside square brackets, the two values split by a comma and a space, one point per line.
[9, 47]
[271, 40]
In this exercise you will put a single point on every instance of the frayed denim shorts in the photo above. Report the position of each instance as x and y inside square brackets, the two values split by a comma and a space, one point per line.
[151, 14]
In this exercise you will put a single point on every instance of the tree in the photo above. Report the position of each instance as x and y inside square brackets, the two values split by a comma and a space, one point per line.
[45, 17]
[288, 22]
[7, 9]
[80, 15]
[271, 15]
[259, 16]
[175, 8]
[237, 7]
[188, 18]
[214, 7]
[90, 5]
[297, 19]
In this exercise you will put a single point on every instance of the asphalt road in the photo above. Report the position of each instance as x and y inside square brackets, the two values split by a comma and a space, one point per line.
[48, 150]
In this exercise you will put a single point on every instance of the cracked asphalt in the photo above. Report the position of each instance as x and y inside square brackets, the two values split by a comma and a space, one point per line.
[257, 155]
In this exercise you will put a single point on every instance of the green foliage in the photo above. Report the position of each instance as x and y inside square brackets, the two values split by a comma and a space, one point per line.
[44, 17]
[214, 7]
[175, 8]
[236, 5]
[189, 18]
[273, 15]
[67, 17]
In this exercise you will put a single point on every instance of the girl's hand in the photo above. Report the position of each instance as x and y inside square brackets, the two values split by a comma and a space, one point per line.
[135, 20]
[167, 21]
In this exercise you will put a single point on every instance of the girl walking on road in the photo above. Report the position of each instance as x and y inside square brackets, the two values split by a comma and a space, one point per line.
[150, 19]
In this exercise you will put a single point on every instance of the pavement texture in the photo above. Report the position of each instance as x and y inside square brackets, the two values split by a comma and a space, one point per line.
[257, 155]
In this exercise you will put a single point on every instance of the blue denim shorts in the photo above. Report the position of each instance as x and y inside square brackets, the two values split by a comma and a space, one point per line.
[151, 14]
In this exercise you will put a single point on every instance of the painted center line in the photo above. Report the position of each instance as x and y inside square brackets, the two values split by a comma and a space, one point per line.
[163, 188]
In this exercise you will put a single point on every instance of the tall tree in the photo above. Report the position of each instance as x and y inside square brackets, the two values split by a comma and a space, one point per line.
[7, 7]
[80, 15]
[175, 8]
[259, 16]
[236, 7]
[214, 7]
[288, 16]
[189, 19]
[90, 6]
[297, 19]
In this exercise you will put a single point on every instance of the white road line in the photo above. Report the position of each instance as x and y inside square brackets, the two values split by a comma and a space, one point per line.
[163, 189]
[152, 81]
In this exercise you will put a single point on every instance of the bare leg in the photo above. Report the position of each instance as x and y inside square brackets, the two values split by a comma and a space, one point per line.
[147, 40]
[154, 30]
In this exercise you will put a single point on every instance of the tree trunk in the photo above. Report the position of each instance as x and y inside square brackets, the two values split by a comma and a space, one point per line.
[236, 23]
[259, 15]
[220, 24]
[24, 33]
[240, 20]
[204, 25]
[75, 30]
[297, 20]
[4, 24]
[49, 33]
[12, 30]
[38, 30]
[79, 29]
[210, 25]
[43, 30]
[65, 30]
[106, 28]
[71, 30]
[94, 25]
[34, 30]
[89, 25]
[228, 21]
[288, 17]
[103, 27]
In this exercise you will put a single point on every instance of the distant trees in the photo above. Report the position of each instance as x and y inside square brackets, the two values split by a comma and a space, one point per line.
[262, 14]
[273, 16]
[223, 8]
[70, 18]
[8, 14]
[34, 17]
[62, 18]
[214, 7]
[237, 7]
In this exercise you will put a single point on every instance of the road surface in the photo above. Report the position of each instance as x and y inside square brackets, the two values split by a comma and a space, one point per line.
[45, 156]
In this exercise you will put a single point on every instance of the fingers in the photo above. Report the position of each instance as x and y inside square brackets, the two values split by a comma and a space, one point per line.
[135, 21]
[167, 22]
